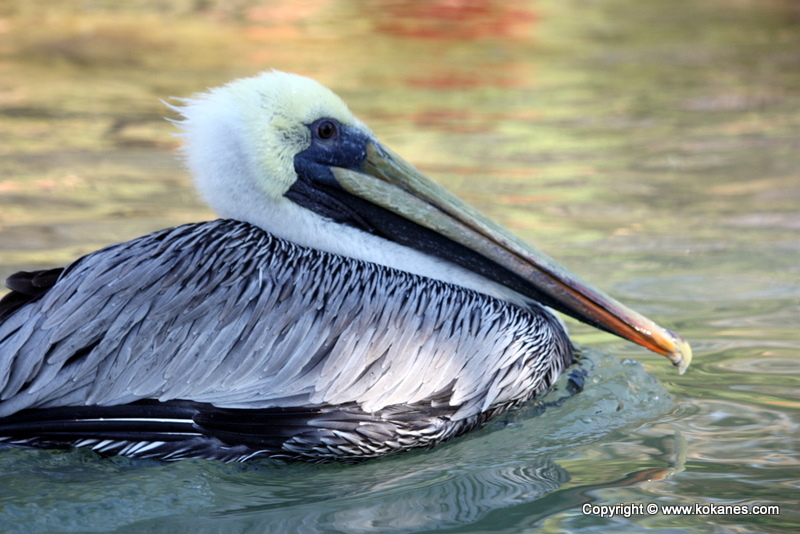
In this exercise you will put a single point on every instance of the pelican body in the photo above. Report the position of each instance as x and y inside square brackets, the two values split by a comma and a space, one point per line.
[345, 307]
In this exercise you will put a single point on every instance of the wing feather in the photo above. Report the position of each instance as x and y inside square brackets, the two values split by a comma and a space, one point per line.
[224, 313]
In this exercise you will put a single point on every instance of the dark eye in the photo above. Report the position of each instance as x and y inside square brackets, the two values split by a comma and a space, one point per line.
[326, 130]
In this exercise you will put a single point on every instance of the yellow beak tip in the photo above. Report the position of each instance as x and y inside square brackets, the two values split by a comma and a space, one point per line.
[683, 355]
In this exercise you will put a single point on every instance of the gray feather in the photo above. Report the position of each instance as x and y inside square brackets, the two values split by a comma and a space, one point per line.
[224, 313]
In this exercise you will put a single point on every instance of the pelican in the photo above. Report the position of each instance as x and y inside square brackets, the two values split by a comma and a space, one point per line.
[345, 307]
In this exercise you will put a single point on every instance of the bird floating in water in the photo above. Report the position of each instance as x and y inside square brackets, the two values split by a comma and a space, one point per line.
[346, 307]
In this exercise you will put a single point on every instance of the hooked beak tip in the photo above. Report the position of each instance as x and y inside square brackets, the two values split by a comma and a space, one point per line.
[682, 356]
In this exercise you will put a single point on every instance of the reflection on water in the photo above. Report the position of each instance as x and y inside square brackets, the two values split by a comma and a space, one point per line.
[651, 147]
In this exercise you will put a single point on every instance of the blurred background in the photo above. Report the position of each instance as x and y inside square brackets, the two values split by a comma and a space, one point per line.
[651, 147]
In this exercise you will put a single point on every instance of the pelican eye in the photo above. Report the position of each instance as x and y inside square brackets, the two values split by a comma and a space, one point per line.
[326, 130]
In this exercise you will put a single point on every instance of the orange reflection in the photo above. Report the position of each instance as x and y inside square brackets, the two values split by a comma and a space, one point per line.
[455, 19]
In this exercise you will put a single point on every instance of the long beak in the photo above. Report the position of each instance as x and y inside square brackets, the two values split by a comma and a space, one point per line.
[387, 180]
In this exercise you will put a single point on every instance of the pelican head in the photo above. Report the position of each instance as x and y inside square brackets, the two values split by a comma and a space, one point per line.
[284, 153]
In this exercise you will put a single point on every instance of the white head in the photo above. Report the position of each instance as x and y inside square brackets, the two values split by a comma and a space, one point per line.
[241, 138]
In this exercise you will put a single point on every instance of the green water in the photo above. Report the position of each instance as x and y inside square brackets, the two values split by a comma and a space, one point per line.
[652, 147]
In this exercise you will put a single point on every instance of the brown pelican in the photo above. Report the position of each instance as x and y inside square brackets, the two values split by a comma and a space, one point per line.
[347, 307]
